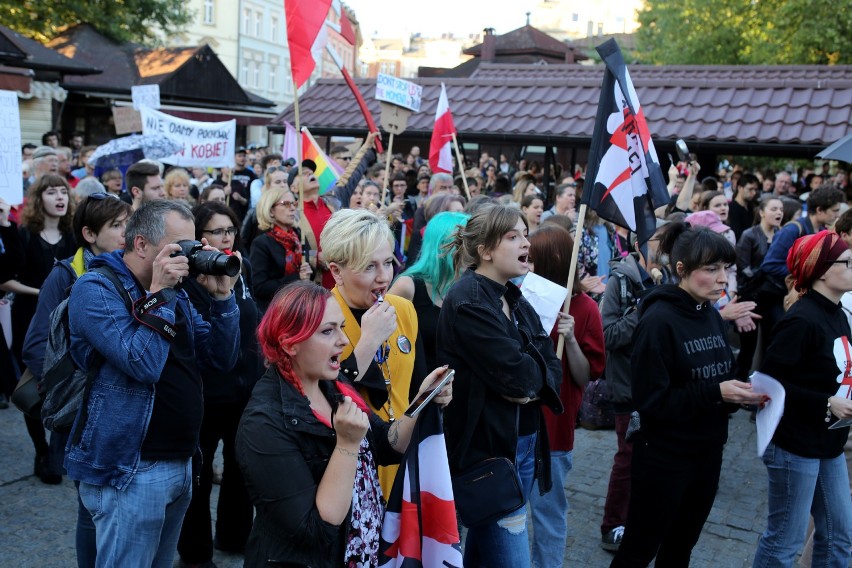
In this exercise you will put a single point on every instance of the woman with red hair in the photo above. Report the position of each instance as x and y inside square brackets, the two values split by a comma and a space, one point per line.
[809, 354]
[309, 446]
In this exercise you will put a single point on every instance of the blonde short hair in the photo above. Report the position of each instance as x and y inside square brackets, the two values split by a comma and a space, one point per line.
[267, 200]
[351, 236]
[174, 175]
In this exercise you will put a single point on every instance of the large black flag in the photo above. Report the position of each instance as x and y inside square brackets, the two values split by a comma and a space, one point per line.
[624, 182]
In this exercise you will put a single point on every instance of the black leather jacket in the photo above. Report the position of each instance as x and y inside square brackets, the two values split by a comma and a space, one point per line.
[283, 450]
[494, 357]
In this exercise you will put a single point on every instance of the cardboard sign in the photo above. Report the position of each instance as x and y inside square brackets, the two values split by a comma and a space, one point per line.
[145, 95]
[394, 118]
[399, 92]
[11, 174]
[205, 144]
[127, 120]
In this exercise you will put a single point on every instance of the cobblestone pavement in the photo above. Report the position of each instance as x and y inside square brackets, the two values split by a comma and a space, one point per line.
[38, 520]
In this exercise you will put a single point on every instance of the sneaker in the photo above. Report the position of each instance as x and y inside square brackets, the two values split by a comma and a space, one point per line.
[612, 540]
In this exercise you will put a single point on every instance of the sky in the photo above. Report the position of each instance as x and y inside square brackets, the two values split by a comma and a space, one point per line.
[398, 18]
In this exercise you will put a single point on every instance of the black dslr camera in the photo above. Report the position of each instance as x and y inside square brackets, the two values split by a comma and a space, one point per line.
[210, 262]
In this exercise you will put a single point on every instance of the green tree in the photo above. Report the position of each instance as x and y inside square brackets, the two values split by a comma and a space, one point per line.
[734, 32]
[141, 21]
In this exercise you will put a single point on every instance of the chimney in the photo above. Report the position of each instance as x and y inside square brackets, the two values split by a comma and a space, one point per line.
[489, 45]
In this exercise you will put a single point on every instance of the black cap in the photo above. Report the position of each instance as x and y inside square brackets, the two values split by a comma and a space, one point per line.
[241, 150]
[306, 165]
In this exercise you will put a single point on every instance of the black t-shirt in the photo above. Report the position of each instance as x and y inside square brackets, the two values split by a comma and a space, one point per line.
[739, 218]
[240, 183]
[178, 402]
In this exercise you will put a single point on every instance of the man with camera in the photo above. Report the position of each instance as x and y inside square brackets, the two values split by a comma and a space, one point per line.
[136, 433]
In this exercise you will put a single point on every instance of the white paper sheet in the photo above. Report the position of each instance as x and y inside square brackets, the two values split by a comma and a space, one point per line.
[769, 416]
[546, 297]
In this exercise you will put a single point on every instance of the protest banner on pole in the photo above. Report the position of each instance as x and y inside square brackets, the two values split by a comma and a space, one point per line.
[399, 92]
[11, 175]
[394, 119]
[205, 144]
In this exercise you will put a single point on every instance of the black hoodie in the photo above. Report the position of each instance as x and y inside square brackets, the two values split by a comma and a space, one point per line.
[680, 355]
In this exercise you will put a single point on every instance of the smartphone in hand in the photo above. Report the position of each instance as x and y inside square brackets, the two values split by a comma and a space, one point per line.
[427, 396]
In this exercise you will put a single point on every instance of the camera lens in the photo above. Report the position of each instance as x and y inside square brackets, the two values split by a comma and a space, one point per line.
[215, 263]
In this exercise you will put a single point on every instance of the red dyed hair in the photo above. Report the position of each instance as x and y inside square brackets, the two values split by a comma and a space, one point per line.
[294, 314]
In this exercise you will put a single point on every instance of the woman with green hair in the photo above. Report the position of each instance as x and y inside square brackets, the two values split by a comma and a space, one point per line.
[426, 282]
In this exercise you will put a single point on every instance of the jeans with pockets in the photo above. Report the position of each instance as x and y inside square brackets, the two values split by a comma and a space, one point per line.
[800, 487]
[139, 526]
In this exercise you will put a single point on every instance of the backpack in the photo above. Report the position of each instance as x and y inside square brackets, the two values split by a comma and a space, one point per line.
[596, 410]
[64, 386]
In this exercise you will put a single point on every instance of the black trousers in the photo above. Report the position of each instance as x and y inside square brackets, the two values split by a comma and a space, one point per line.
[234, 513]
[670, 499]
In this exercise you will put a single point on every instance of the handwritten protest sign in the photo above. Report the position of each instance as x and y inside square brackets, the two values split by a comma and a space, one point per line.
[126, 120]
[11, 177]
[205, 144]
[145, 95]
[399, 92]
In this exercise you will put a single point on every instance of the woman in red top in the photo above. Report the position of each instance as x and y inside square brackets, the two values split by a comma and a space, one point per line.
[583, 358]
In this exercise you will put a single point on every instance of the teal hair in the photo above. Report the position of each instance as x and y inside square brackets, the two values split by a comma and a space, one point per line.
[434, 265]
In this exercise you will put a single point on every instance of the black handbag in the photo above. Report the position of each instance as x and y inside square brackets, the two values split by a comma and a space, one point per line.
[489, 490]
[27, 397]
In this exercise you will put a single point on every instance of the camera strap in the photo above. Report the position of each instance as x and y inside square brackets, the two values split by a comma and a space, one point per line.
[144, 305]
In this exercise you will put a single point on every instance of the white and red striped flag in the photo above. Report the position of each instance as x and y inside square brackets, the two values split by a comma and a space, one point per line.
[440, 150]
[305, 35]
[419, 526]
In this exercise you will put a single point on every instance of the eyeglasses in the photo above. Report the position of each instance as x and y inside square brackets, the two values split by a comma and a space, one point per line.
[271, 169]
[284, 203]
[847, 262]
[230, 231]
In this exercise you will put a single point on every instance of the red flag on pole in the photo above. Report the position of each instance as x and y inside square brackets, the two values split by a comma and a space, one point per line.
[305, 19]
[440, 149]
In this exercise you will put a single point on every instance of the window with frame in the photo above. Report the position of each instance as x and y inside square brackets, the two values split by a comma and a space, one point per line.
[273, 77]
[273, 31]
[246, 21]
[244, 73]
[258, 24]
[256, 80]
[209, 14]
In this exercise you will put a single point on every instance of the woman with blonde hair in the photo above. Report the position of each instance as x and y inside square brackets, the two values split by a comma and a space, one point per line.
[385, 358]
[523, 187]
[177, 185]
[276, 255]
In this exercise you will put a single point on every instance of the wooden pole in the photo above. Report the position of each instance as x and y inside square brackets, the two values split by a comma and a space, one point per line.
[227, 181]
[460, 160]
[298, 149]
[387, 171]
[572, 273]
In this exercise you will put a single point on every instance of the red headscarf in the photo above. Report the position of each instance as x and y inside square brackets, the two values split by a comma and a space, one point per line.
[811, 256]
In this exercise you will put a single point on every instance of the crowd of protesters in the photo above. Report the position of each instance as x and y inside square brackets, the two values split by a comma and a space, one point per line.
[350, 303]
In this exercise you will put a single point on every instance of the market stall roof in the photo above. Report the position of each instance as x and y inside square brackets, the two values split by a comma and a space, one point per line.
[761, 110]
[19, 51]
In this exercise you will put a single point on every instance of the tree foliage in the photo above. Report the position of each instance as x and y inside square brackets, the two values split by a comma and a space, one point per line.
[141, 21]
[740, 32]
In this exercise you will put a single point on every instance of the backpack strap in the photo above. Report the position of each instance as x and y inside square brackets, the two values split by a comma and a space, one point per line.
[97, 359]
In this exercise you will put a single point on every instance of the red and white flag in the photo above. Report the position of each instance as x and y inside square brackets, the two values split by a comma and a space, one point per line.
[305, 22]
[440, 150]
[419, 527]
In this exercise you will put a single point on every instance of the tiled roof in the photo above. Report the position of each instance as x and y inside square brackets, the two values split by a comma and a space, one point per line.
[19, 51]
[792, 105]
[522, 40]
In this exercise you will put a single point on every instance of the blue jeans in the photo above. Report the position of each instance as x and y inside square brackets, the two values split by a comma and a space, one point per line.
[505, 542]
[140, 525]
[799, 487]
[550, 514]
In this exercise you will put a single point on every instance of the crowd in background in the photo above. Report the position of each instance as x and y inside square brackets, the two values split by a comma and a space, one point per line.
[745, 272]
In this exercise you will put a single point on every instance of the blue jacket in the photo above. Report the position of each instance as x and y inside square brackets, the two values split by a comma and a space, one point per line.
[775, 261]
[122, 396]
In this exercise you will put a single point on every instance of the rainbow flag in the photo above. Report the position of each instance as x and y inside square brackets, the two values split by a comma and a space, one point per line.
[328, 171]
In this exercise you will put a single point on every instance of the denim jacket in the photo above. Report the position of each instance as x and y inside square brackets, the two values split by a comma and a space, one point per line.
[494, 358]
[122, 395]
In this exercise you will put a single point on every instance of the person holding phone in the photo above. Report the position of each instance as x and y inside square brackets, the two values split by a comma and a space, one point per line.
[304, 425]
[506, 372]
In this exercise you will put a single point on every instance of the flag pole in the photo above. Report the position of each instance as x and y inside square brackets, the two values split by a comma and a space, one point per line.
[461, 166]
[387, 170]
[298, 147]
[572, 273]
